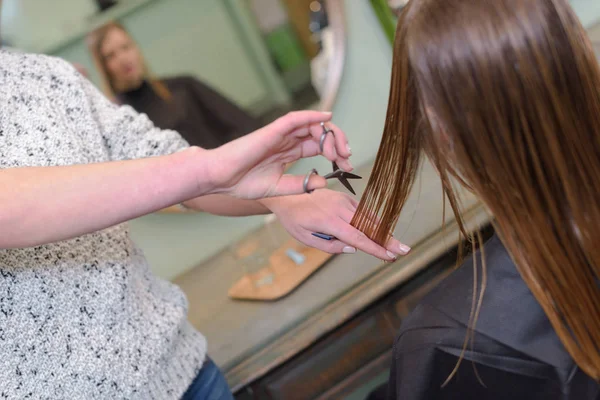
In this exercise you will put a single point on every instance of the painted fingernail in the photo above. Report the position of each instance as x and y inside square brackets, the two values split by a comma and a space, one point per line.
[391, 255]
[349, 250]
[404, 249]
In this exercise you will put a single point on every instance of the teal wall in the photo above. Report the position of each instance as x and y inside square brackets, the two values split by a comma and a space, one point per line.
[587, 10]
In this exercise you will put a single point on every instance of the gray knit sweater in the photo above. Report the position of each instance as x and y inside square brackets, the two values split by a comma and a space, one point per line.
[84, 318]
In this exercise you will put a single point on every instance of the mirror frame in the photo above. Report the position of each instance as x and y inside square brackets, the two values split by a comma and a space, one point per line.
[337, 21]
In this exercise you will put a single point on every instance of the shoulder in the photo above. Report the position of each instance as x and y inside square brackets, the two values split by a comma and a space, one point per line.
[454, 295]
[12, 61]
[443, 316]
[179, 80]
[511, 323]
[36, 73]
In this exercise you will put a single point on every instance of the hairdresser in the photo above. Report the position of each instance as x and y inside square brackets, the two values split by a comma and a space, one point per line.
[204, 117]
[503, 97]
[81, 315]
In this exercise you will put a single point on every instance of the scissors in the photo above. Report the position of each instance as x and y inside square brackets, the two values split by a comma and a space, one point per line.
[342, 176]
[337, 173]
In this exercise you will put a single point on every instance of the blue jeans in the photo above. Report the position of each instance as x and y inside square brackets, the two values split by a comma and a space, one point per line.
[209, 384]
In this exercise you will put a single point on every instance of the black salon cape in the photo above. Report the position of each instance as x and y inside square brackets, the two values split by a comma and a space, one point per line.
[202, 116]
[516, 352]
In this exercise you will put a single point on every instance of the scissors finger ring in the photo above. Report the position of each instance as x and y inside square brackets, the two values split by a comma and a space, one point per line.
[307, 178]
[324, 136]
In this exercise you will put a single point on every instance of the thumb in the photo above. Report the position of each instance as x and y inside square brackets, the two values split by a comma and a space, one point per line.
[293, 184]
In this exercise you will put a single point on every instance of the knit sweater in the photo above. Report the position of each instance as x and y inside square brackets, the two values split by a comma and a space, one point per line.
[84, 318]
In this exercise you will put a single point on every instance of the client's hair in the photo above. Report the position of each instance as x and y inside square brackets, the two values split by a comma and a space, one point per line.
[95, 41]
[503, 96]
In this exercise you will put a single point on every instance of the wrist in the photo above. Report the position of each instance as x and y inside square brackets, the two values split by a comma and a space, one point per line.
[275, 204]
[270, 203]
[196, 161]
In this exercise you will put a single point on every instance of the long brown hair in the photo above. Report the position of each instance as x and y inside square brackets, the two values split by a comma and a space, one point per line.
[503, 96]
[95, 41]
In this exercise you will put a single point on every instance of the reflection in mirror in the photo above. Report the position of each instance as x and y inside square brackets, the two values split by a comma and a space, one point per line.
[211, 70]
[104, 5]
[202, 115]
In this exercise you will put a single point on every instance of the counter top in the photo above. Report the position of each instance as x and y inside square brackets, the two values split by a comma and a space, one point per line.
[247, 339]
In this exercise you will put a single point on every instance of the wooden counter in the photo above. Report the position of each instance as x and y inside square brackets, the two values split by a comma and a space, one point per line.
[249, 339]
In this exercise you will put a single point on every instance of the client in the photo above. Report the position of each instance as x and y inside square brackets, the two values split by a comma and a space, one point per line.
[503, 97]
[202, 116]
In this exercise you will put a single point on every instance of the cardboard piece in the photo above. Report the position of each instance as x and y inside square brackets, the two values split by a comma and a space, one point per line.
[284, 270]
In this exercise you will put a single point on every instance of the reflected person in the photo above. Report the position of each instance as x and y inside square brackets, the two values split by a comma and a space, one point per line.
[204, 117]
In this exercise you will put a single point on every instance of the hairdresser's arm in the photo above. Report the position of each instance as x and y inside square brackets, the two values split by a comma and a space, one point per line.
[32, 200]
[226, 206]
[324, 211]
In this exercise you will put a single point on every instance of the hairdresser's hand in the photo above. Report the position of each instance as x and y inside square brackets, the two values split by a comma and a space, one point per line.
[329, 212]
[252, 166]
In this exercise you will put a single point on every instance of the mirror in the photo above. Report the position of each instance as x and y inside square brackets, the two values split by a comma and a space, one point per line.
[265, 56]
[245, 62]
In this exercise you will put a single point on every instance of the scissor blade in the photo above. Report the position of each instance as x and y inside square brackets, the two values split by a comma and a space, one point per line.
[347, 185]
[348, 175]
[334, 174]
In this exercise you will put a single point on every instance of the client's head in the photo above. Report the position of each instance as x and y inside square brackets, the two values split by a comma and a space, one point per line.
[503, 96]
[117, 57]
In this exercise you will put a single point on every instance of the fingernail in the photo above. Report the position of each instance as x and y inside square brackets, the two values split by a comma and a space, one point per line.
[348, 149]
[391, 255]
[328, 113]
[349, 250]
[350, 165]
[404, 249]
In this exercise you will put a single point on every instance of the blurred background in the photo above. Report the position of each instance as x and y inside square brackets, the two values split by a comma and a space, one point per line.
[256, 52]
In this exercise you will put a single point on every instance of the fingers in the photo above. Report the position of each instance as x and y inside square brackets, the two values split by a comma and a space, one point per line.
[355, 238]
[335, 144]
[292, 184]
[300, 119]
[392, 245]
[347, 235]
[396, 247]
[341, 141]
[327, 139]
[331, 246]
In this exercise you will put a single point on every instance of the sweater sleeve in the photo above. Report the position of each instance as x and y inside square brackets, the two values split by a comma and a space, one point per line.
[126, 133]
